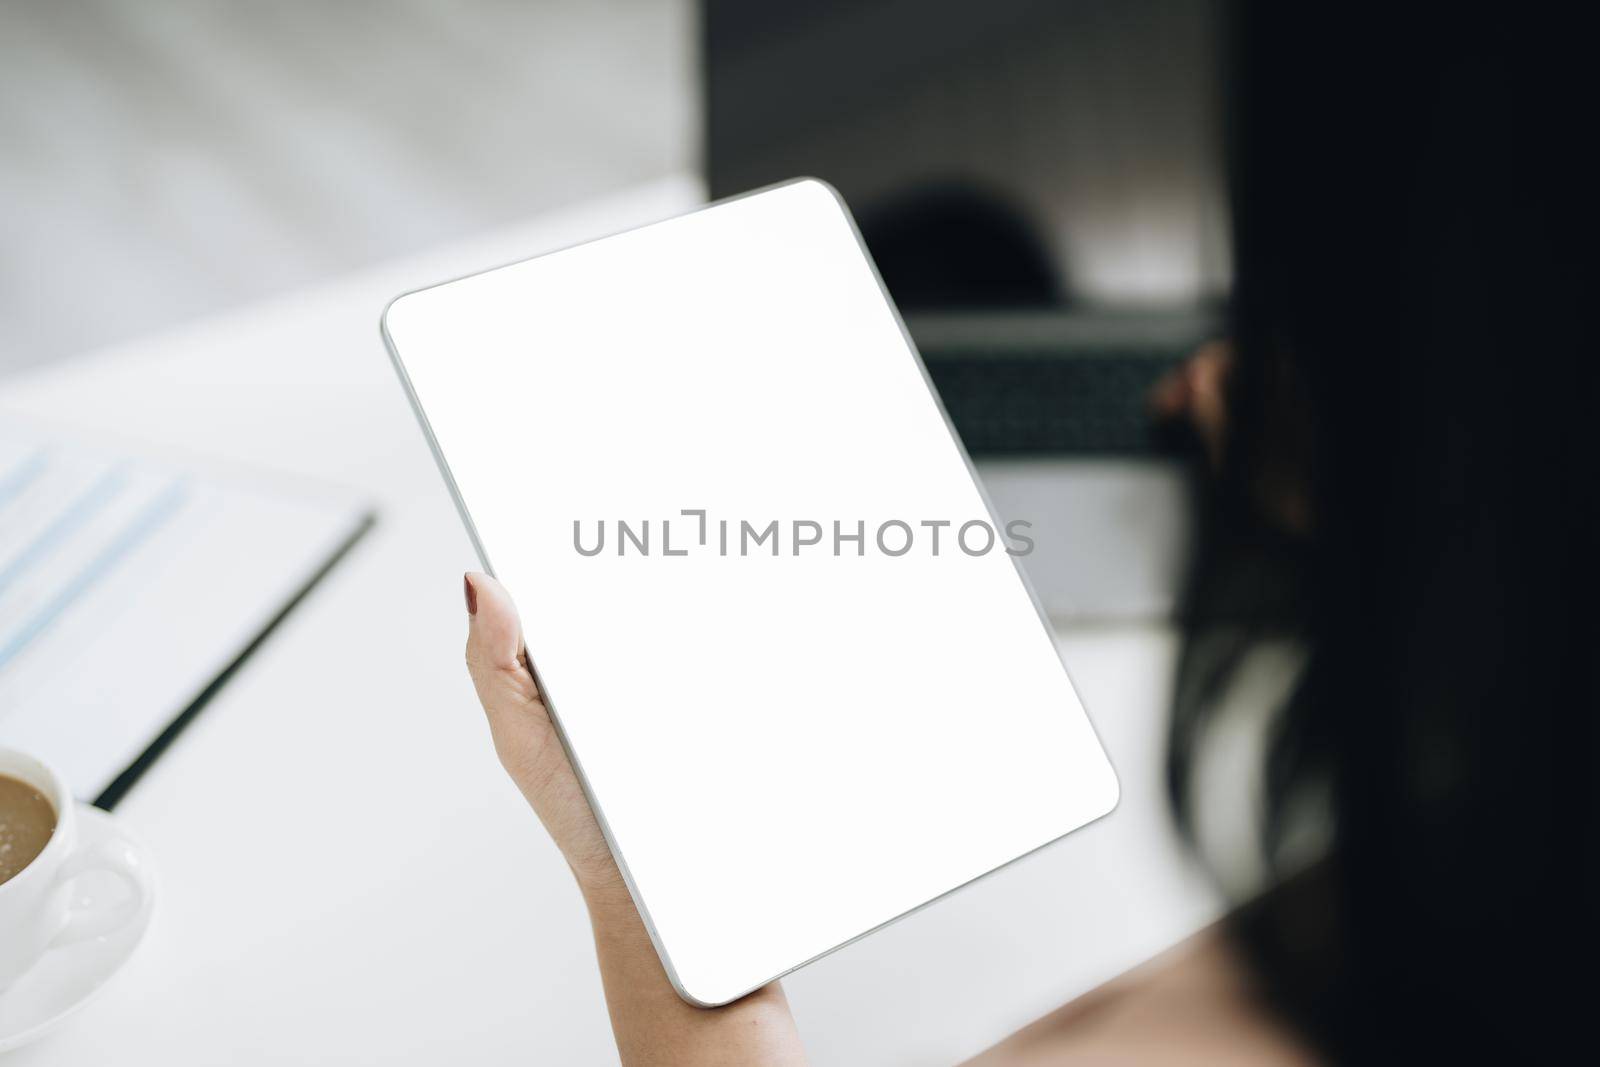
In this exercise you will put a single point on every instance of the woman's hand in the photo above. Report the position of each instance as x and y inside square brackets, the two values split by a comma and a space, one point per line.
[652, 1024]
[525, 738]
[1196, 391]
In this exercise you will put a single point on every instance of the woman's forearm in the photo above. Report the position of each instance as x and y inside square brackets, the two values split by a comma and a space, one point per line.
[653, 1025]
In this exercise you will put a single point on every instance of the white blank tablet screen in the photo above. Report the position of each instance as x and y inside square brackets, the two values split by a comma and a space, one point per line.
[788, 743]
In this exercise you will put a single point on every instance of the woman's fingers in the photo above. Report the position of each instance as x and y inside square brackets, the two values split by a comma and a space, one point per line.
[1208, 371]
[1196, 391]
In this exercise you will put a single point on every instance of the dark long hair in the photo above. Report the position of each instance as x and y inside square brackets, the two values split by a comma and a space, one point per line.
[1409, 492]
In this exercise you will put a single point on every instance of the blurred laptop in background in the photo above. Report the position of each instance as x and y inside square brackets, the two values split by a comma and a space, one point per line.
[1039, 186]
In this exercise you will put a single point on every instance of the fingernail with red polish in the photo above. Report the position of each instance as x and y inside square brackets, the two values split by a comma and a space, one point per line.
[472, 595]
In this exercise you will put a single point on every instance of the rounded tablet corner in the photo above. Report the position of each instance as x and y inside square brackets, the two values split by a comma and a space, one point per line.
[703, 999]
[1115, 799]
[386, 317]
[1111, 797]
[821, 185]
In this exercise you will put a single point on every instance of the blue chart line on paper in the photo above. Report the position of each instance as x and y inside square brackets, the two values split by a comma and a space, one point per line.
[130, 582]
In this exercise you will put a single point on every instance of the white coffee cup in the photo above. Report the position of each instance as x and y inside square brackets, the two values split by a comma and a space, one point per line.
[37, 906]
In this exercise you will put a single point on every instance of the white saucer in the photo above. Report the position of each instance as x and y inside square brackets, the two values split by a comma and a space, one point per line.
[67, 978]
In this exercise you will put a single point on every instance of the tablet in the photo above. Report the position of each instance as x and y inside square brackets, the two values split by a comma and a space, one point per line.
[787, 644]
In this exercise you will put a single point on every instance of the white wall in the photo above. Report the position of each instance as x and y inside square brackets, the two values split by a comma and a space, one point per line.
[164, 159]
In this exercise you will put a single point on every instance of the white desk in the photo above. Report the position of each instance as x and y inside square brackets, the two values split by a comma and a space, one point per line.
[348, 877]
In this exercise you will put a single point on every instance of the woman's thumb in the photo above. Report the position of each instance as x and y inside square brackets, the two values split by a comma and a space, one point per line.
[494, 649]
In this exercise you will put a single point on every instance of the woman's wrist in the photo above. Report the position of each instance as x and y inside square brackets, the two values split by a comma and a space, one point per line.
[607, 894]
[652, 1023]
[595, 868]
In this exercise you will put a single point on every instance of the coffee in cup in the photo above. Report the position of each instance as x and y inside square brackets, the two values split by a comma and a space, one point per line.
[27, 821]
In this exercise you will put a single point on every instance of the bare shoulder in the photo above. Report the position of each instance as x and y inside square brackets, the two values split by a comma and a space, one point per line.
[1195, 1004]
